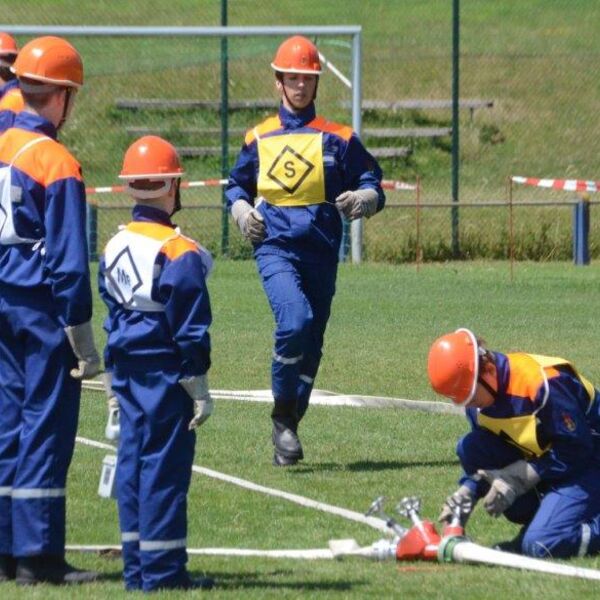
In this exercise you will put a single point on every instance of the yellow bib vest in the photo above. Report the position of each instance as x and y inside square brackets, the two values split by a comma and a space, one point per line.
[291, 169]
[529, 372]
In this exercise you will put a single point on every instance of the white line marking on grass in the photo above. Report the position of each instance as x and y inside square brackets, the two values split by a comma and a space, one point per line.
[374, 522]
[351, 515]
[310, 554]
[325, 398]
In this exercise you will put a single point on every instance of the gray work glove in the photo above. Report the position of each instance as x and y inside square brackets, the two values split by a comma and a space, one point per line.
[197, 389]
[358, 204]
[81, 338]
[507, 484]
[462, 499]
[113, 424]
[249, 220]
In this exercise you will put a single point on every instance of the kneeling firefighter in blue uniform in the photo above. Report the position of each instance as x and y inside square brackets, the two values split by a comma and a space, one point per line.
[153, 280]
[534, 450]
[295, 174]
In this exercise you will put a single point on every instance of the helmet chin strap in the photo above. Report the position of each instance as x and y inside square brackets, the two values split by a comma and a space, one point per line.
[68, 96]
[177, 205]
[488, 387]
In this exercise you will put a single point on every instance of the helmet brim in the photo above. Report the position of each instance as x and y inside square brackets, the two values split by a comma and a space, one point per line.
[300, 71]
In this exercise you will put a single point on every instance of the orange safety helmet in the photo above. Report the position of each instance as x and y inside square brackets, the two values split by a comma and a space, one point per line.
[8, 46]
[50, 59]
[453, 365]
[297, 55]
[150, 158]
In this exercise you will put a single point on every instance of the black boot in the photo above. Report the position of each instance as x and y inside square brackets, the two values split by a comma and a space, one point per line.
[199, 583]
[50, 568]
[288, 449]
[515, 545]
[8, 567]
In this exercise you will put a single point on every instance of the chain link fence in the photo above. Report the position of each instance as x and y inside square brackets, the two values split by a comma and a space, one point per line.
[528, 88]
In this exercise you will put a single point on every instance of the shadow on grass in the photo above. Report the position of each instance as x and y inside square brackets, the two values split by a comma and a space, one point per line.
[226, 581]
[384, 465]
[369, 465]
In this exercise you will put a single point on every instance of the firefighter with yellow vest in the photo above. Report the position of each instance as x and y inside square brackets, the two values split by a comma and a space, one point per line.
[533, 452]
[296, 176]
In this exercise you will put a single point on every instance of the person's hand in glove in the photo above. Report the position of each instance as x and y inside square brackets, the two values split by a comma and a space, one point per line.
[81, 338]
[507, 484]
[358, 204]
[249, 221]
[197, 389]
[463, 497]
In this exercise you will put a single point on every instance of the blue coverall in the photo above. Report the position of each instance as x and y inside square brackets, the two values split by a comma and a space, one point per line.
[561, 516]
[155, 338]
[44, 286]
[291, 168]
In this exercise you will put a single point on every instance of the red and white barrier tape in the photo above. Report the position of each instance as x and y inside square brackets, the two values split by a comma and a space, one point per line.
[568, 185]
[386, 184]
[116, 189]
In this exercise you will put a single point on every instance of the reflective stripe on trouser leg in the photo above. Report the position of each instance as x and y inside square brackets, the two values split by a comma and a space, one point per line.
[567, 521]
[319, 287]
[50, 410]
[293, 315]
[130, 550]
[12, 392]
[165, 449]
[127, 482]
[586, 534]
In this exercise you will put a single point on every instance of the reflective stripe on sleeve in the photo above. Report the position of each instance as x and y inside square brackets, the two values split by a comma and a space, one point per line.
[130, 536]
[5, 491]
[306, 378]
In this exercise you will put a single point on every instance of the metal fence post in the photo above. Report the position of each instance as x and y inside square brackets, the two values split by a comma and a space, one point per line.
[581, 231]
[91, 217]
[455, 127]
[224, 130]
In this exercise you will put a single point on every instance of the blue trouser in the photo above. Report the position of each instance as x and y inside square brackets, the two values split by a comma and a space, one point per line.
[155, 456]
[561, 519]
[39, 409]
[300, 295]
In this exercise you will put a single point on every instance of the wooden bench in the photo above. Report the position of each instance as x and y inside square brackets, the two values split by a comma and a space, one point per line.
[178, 104]
[406, 132]
[198, 151]
[262, 104]
[198, 131]
[389, 152]
[426, 104]
[376, 132]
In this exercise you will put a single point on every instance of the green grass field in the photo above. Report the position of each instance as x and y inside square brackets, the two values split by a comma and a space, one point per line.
[535, 59]
[384, 319]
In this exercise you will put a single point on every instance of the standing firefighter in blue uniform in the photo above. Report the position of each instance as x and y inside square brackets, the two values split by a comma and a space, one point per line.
[294, 176]
[533, 453]
[46, 341]
[153, 280]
